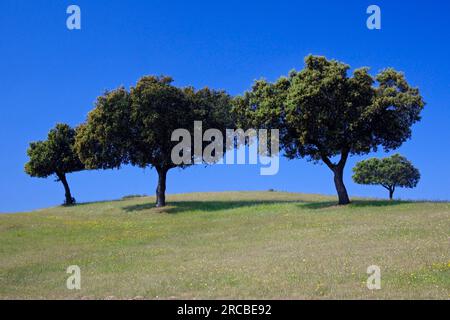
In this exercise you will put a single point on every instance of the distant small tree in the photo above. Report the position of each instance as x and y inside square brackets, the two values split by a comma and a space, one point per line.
[55, 156]
[136, 126]
[391, 172]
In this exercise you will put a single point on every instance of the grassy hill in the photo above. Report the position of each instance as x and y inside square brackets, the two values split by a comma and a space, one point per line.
[228, 245]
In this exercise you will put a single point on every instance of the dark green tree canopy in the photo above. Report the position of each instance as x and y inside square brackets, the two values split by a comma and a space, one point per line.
[136, 127]
[391, 172]
[323, 112]
[103, 141]
[54, 156]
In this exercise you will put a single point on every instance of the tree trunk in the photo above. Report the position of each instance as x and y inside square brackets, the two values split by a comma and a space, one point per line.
[69, 200]
[161, 188]
[340, 187]
[391, 193]
[338, 170]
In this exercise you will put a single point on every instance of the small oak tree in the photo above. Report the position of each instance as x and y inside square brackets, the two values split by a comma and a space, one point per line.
[135, 127]
[391, 172]
[326, 115]
[55, 156]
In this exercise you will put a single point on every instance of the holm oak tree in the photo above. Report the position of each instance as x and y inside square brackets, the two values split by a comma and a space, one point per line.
[325, 114]
[55, 156]
[390, 173]
[135, 127]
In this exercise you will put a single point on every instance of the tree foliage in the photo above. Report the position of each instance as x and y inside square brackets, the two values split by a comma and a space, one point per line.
[391, 172]
[55, 156]
[135, 127]
[324, 114]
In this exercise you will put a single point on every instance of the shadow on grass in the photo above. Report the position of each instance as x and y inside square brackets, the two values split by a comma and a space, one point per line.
[176, 207]
[130, 197]
[209, 206]
[354, 204]
[80, 204]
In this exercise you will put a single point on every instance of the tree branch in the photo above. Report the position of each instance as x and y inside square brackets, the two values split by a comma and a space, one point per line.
[327, 161]
[344, 157]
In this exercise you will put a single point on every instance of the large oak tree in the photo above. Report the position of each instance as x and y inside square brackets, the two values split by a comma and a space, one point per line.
[325, 114]
[135, 127]
[55, 156]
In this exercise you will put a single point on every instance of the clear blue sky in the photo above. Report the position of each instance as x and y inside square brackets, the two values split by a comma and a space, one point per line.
[49, 74]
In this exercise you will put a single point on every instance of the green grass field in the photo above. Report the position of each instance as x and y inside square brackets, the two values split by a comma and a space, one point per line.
[262, 245]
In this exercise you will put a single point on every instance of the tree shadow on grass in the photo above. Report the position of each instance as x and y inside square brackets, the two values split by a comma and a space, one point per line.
[174, 207]
[353, 204]
[208, 206]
